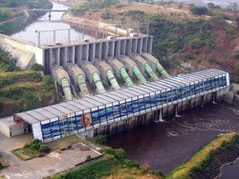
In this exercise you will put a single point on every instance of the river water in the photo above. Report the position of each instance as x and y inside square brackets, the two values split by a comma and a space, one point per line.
[165, 146]
[231, 171]
[43, 24]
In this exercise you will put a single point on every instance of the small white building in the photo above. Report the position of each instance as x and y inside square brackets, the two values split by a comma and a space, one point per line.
[11, 128]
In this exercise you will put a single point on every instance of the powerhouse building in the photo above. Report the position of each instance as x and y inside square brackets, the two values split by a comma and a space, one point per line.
[81, 115]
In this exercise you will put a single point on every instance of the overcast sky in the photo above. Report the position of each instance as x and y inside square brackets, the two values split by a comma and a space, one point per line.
[223, 3]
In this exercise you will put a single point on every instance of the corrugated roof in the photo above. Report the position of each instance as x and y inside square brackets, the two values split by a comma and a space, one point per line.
[87, 103]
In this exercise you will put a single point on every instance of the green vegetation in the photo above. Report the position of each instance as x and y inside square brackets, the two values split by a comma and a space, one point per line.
[22, 90]
[114, 163]
[14, 19]
[3, 163]
[202, 160]
[31, 150]
[93, 5]
[37, 67]
[7, 63]
[136, 14]
[100, 139]
[29, 4]
[107, 15]
[186, 39]
[93, 170]
[200, 10]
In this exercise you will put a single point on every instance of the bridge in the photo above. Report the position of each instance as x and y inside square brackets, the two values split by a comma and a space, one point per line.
[109, 85]
[47, 10]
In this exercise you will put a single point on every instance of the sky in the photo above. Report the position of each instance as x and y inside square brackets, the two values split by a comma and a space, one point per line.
[222, 3]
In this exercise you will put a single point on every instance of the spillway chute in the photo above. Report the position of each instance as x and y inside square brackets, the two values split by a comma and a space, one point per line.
[120, 72]
[107, 74]
[93, 76]
[132, 69]
[78, 78]
[144, 66]
[62, 78]
[154, 63]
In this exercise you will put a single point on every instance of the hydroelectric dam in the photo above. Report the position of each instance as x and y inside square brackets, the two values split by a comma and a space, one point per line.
[108, 85]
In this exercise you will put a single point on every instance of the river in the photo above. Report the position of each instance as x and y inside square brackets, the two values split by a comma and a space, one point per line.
[165, 146]
[43, 24]
[231, 171]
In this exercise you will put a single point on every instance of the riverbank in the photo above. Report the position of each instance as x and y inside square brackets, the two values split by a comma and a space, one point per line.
[20, 23]
[208, 161]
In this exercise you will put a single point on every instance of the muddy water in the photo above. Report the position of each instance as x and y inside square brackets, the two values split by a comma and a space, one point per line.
[231, 171]
[166, 146]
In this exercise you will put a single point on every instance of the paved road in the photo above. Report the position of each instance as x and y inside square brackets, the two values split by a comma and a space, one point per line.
[52, 163]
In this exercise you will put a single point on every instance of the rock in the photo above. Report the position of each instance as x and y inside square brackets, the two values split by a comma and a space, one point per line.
[229, 97]
[236, 97]
[235, 88]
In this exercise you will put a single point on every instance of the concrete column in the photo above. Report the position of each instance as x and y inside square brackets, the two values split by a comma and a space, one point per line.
[134, 46]
[117, 49]
[92, 52]
[176, 111]
[105, 50]
[85, 52]
[111, 47]
[98, 50]
[139, 46]
[78, 54]
[51, 59]
[58, 56]
[122, 47]
[150, 44]
[203, 101]
[144, 44]
[214, 98]
[128, 47]
[65, 59]
[73, 54]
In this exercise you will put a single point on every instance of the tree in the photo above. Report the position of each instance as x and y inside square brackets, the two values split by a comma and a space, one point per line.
[199, 10]
[210, 5]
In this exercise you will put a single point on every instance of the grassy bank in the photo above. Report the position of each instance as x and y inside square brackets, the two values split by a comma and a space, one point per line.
[114, 164]
[22, 90]
[204, 160]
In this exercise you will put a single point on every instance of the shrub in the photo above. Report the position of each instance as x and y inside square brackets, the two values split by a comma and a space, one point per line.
[199, 10]
[13, 92]
[107, 15]
[88, 158]
[189, 56]
[47, 79]
[211, 60]
[100, 139]
[44, 148]
[93, 170]
[131, 164]
[37, 67]
[159, 173]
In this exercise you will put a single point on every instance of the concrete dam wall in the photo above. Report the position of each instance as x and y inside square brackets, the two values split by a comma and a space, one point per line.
[26, 53]
[92, 50]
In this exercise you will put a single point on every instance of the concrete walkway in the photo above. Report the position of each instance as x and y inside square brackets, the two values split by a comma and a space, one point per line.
[54, 162]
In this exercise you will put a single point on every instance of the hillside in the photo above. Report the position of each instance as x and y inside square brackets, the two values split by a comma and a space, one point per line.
[185, 37]
[22, 90]
[14, 14]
